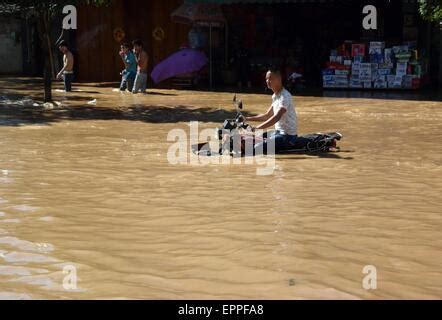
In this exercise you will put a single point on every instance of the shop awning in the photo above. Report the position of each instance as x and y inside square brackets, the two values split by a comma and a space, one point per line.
[202, 14]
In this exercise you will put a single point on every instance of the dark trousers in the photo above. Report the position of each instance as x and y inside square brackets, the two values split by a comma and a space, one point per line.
[275, 142]
[68, 78]
[127, 81]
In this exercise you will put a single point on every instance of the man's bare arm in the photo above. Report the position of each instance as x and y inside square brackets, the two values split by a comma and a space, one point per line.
[144, 59]
[65, 65]
[262, 117]
[273, 120]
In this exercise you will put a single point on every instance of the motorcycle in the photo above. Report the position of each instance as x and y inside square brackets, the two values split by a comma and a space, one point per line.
[236, 138]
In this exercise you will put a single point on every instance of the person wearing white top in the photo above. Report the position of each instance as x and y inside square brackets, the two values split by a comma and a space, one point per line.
[281, 114]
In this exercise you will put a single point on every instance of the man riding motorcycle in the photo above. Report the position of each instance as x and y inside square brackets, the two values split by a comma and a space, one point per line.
[235, 139]
[281, 114]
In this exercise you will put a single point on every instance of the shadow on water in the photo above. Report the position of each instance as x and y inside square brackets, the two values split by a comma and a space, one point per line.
[18, 98]
[17, 115]
[86, 91]
[324, 155]
[161, 93]
[334, 155]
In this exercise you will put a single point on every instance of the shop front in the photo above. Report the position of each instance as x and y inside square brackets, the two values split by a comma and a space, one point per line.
[319, 40]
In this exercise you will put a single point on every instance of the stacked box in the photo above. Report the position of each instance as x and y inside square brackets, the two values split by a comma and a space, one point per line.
[358, 59]
[401, 68]
[345, 49]
[340, 77]
[391, 78]
[376, 48]
[395, 67]
[355, 68]
[341, 81]
[367, 84]
[328, 84]
[358, 50]
[384, 71]
[397, 83]
[403, 56]
[386, 65]
[374, 71]
[402, 53]
[414, 55]
[380, 82]
[327, 72]
[416, 69]
[342, 72]
[355, 82]
[328, 78]
[396, 49]
[365, 72]
[379, 77]
[388, 55]
[335, 81]
[377, 58]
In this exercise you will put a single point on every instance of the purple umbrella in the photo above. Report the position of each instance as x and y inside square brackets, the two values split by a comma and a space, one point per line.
[181, 62]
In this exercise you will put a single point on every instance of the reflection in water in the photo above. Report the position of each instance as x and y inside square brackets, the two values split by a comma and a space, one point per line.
[91, 186]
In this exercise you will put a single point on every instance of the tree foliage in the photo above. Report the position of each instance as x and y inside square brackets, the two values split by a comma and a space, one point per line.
[431, 10]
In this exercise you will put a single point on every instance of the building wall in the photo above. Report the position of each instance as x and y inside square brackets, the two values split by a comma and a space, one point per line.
[97, 49]
[11, 61]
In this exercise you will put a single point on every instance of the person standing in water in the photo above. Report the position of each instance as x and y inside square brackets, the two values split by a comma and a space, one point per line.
[142, 59]
[67, 72]
[130, 72]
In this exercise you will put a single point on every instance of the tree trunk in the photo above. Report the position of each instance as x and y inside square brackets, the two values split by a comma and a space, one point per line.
[428, 49]
[47, 73]
[47, 79]
[440, 53]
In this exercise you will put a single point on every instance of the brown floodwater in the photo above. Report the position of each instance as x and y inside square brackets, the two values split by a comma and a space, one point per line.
[90, 186]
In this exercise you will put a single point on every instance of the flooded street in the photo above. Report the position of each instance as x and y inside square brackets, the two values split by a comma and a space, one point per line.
[90, 186]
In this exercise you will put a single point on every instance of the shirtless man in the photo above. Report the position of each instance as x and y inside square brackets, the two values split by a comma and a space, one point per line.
[67, 73]
[142, 63]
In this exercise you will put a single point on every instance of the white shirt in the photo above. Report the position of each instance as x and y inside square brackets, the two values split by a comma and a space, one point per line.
[288, 124]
